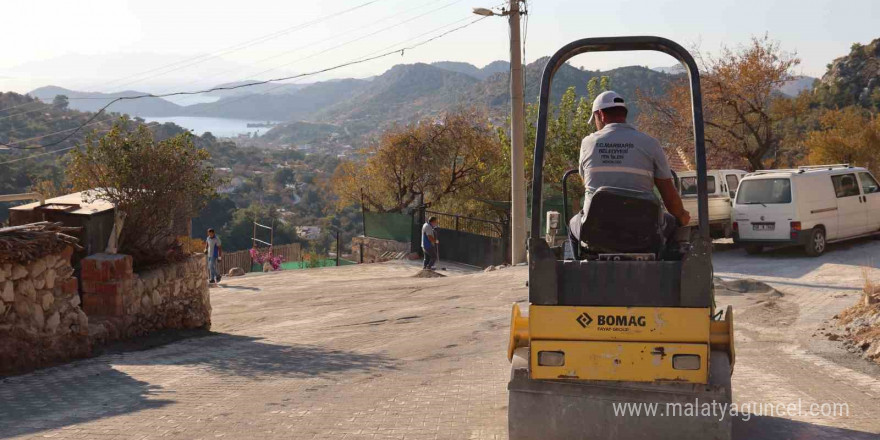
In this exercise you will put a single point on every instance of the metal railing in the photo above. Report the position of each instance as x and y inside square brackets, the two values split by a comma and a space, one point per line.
[473, 225]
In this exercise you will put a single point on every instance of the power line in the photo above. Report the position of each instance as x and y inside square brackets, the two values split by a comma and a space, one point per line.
[350, 31]
[150, 125]
[126, 98]
[362, 37]
[240, 46]
[201, 58]
[20, 105]
[113, 100]
[242, 98]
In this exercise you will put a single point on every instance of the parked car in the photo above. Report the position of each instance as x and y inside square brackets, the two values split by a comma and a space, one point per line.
[721, 186]
[810, 207]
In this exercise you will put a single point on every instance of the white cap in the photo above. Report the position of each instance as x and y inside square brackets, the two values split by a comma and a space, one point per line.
[606, 100]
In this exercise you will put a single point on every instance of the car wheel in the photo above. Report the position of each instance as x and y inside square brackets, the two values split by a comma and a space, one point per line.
[816, 245]
[754, 249]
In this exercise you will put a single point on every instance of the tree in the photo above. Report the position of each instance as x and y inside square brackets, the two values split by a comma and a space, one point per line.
[159, 186]
[743, 111]
[849, 135]
[426, 161]
[237, 234]
[60, 102]
[282, 177]
[566, 127]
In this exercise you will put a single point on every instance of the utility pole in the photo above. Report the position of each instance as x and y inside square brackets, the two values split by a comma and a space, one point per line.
[517, 135]
[517, 140]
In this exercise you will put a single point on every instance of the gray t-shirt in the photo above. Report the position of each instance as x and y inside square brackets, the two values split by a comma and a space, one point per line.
[621, 156]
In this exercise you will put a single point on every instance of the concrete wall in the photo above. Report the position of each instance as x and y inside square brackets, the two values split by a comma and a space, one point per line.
[122, 304]
[41, 322]
[375, 248]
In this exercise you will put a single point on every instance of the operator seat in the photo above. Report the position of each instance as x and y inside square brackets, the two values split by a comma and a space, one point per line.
[621, 220]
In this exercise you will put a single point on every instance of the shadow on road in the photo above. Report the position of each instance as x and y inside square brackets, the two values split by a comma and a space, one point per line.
[776, 428]
[71, 394]
[251, 357]
[99, 388]
[231, 287]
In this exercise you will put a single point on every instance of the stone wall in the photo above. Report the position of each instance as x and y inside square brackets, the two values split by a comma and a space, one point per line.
[376, 249]
[41, 322]
[122, 304]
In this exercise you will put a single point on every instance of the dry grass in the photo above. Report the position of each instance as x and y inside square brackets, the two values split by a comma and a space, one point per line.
[870, 302]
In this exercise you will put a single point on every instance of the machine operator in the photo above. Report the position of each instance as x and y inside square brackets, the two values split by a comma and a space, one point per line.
[618, 155]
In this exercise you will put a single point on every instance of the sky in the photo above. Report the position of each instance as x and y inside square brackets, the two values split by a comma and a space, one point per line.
[161, 45]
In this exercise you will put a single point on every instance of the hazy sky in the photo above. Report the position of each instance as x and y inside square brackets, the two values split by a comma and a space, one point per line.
[110, 45]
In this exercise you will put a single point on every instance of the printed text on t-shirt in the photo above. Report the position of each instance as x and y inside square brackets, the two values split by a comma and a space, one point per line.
[613, 153]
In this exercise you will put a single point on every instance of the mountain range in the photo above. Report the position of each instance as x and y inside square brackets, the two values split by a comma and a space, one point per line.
[403, 93]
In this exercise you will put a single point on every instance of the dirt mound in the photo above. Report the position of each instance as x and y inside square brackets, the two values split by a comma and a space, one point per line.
[861, 324]
[425, 273]
[745, 286]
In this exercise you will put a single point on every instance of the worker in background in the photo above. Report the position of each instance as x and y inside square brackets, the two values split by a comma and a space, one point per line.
[618, 155]
[429, 243]
[214, 252]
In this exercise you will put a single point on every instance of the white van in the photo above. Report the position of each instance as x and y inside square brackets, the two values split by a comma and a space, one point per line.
[810, 206]
[721, 186]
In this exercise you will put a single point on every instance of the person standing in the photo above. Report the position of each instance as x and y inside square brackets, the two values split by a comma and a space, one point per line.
[429, 243]
[214, 253]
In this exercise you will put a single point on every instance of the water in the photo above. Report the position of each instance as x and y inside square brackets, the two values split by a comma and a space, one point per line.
[220, 127]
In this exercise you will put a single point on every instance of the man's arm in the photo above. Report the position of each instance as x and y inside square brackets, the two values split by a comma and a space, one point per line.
[672, 200]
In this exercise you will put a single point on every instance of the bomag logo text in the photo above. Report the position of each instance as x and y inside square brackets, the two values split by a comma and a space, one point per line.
[620, 320]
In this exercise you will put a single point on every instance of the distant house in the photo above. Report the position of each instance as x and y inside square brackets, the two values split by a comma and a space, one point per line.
[233, 185]
[309, 232]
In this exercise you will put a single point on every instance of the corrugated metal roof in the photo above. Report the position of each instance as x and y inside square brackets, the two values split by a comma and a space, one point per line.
[78, 200]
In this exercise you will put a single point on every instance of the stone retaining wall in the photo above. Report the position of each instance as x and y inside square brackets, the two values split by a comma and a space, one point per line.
[41, 322]
[375, 248]
[122, 304]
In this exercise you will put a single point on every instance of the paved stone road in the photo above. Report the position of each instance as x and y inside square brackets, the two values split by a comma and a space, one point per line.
[368, 352]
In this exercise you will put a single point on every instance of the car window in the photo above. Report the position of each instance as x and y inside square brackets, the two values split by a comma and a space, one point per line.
[845, 185]
[869, 185]
[732, 183]
[689, 185]
[764, 191]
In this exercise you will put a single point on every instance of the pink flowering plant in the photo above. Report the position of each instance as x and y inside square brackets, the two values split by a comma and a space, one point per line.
[261, 258]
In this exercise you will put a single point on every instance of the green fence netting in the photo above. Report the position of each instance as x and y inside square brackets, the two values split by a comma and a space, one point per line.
[293, 265]
[388, 226]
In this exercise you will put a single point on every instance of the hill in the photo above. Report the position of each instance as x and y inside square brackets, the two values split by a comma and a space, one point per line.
[403, 93]
[797, 85]
[269, 88]
[474, 71]
[671, 70]
[853, 79]
[94, 101]
[494, 92]
[299, 104]
[299, 133]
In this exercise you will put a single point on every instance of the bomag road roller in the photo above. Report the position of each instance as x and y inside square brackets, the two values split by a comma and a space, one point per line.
[622, 340]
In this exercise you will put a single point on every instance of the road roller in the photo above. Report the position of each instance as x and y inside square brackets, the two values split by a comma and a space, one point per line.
[622, 338]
